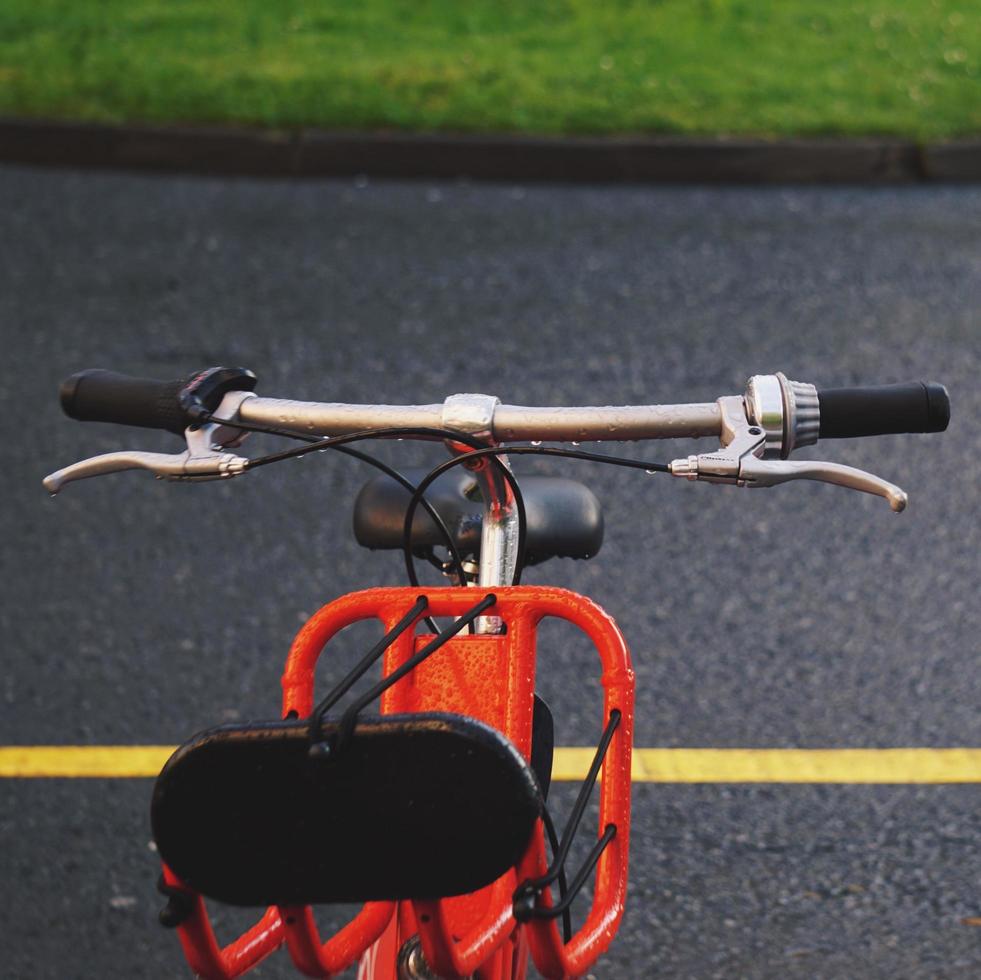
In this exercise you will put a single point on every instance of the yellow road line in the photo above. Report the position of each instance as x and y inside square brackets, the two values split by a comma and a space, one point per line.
[953, 765]
[112, 761]
[788, 765]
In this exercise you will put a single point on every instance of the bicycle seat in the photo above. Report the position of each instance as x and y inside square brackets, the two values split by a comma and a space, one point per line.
[564, 518]
[409, 806]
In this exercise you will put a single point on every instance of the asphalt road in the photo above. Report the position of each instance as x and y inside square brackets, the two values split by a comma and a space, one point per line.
[139, 612]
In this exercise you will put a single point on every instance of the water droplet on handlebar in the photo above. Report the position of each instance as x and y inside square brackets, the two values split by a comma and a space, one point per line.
[651, 472]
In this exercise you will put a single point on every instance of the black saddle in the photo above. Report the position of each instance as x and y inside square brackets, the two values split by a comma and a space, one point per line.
[565, 519]
[406, 806]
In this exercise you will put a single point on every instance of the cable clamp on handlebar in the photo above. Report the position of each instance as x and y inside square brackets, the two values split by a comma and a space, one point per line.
[739, 462]
[204, 458]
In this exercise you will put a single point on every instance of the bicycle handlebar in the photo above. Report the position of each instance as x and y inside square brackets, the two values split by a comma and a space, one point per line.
[106, 396]
[757, 431]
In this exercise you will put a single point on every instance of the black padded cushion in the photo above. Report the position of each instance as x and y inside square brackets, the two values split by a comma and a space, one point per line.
[412, 806]
[565, 519]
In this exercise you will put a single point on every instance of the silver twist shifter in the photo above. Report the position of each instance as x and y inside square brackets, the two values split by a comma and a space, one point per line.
[775, 417]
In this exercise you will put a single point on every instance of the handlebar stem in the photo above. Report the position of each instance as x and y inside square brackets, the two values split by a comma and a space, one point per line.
[473, 414]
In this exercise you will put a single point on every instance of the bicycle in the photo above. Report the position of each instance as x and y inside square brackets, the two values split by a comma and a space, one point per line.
[433, 812]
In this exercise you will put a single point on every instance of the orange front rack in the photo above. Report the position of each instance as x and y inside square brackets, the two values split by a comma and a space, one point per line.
[490, 678]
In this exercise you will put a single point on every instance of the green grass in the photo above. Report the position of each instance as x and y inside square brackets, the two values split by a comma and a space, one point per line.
[769, 67]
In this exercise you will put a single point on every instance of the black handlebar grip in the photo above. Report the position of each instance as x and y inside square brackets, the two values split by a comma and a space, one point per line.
[105, 396]
[917, 406]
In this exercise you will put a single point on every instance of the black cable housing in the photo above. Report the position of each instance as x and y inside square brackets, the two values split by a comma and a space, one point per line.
[494, 451]
[398, 432]
[388, 471]
[478, 450]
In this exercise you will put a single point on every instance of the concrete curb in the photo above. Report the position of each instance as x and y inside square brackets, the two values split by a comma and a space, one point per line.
[955, 162]
[317, 153]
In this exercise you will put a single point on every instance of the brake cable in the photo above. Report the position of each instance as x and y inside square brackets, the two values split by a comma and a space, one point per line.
[395, 432]
[389, 471]
[478, 449]
[317, 444]
[493, 451]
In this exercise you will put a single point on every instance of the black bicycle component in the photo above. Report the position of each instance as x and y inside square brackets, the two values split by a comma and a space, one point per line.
[526, 894]
[417, 806]
[494, 451]
[203, 393]
[542, 753]
[478, 450]
[105, 396]
[917, 406]
[398, 432]
[316, 444]
[446, 537]
[564, 517]
[525, 903]
[553, 843]
[179, 907]
[340, 689]
[350, 716]
[98, 395]
[542, 743]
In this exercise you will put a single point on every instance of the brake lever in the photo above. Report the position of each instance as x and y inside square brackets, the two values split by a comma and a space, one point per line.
[767, 473]
[202, 460]
[180, 466]
[738, 463]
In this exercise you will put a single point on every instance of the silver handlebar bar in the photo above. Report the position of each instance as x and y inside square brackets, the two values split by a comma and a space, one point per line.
[786, 410]
[506, 423]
